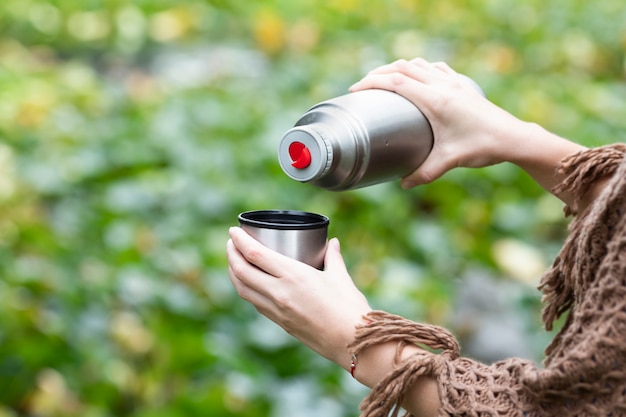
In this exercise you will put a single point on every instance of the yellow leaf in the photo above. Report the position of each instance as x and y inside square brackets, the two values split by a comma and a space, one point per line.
[171, 24]
[269, 31]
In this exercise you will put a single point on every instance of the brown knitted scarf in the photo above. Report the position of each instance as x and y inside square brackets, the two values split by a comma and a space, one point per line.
[584, 373]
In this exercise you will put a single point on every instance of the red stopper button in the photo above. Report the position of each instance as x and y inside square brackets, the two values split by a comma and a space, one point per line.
[300, 155]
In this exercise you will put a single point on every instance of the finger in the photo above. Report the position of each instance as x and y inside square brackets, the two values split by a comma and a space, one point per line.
[251, 283]
[260, 302]
[424, 97]
[333, 260]
[425, 71]
[418, 69]
[389, 68]
[401, 73]
[421, 62]
[444, 67]
[400, 67]
[429, 171]
[270, 261]
[397, 82]
[243, 273]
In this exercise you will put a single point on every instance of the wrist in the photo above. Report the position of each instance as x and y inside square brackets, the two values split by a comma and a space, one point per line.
[540, 152]
[375, 362]
[529, 145]
[509, 138]
[343, 357]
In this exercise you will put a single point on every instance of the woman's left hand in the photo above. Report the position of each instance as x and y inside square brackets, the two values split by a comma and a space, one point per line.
[319, 308]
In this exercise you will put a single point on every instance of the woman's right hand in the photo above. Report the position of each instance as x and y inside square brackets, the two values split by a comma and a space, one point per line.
[469, 130]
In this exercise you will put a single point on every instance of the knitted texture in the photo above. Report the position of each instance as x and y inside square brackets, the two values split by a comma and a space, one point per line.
[584, 373]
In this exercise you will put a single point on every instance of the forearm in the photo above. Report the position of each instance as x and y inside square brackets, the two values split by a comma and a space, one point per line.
[539, 153]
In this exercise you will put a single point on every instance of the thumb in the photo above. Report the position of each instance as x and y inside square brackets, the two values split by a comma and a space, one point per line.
[429, 171]
[333, 259]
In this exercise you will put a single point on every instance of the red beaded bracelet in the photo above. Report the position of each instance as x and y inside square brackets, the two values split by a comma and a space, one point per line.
[353, 362]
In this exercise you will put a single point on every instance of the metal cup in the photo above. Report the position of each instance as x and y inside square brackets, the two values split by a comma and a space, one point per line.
[297, 234]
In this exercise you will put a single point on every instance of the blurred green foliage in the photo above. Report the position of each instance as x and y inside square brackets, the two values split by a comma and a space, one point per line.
[134, 132]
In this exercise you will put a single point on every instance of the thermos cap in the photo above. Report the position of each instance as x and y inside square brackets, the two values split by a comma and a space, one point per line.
[300, 155]
[304, 154]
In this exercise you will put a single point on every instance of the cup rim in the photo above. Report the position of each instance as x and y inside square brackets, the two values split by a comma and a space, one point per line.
[293, 219]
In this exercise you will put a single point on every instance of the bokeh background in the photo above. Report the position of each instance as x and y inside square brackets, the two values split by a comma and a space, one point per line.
[134, 132]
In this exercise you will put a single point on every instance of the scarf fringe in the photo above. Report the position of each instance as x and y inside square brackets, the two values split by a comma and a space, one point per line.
[569, 271]
[387, 396]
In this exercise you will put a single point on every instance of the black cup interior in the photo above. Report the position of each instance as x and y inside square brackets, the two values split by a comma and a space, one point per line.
[283, 219]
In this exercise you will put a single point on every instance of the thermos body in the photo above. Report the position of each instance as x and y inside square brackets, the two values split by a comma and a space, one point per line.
[297, 234]
[356, 140]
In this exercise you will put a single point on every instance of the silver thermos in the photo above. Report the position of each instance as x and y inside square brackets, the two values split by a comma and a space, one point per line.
[356, 140]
